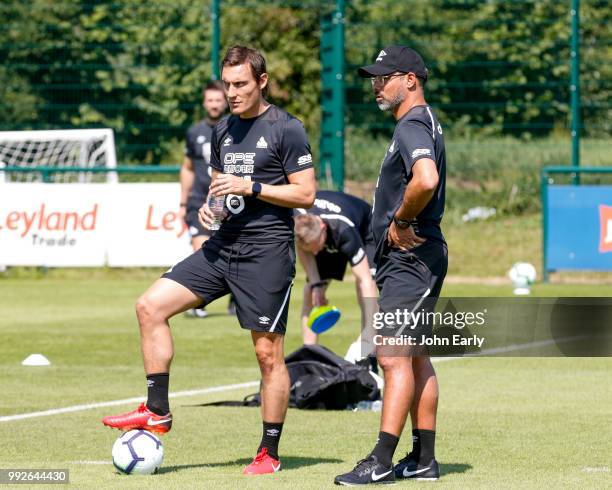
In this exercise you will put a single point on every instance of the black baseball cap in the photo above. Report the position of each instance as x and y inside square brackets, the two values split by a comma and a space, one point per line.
[395, 58]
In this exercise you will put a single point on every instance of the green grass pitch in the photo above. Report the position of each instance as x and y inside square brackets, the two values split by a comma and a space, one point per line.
[503, 423]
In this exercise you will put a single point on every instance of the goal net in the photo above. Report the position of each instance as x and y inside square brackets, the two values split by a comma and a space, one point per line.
[64, 148]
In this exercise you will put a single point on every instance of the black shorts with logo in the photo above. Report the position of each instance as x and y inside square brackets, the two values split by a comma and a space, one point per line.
[411, 281]
[259, 276]
[193, 223]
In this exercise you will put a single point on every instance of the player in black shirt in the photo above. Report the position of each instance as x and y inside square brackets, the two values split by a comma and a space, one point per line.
[196, 172]
[334, 232]
[262, 165]
[411, 262]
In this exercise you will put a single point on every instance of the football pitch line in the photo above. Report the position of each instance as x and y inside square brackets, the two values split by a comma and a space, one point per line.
[251, 384]
[89, 406]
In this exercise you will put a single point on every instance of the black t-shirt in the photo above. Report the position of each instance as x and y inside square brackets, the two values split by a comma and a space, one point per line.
[417, 135]
[264, 149]
[197, 148]
[348, 223]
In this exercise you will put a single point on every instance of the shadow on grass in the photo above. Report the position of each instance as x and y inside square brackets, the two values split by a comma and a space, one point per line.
[289, 463]
[450, 468]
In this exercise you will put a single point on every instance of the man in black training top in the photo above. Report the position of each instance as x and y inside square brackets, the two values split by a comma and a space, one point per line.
[411, 261]
[334, 232]
[196, 171]
[262, 165]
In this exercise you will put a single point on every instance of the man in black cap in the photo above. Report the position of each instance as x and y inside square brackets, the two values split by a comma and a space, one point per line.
[411, 260]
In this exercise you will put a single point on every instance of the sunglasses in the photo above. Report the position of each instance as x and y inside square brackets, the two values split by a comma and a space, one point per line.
[384, 79]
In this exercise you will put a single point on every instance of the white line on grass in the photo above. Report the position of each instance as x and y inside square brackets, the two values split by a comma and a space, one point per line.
[89, 406]
[90, 462]
[250, 384]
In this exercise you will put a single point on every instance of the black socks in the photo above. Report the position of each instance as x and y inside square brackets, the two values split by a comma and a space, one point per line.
[385, 447]
[423, 443]
[271, 437]
[157, 396]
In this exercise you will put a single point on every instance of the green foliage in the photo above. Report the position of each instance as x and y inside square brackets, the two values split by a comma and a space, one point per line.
[497, 68]
[500, 172]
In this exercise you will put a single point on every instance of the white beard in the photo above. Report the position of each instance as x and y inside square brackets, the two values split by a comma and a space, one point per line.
[388, 105]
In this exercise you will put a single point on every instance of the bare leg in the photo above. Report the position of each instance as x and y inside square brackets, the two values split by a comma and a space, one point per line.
[398, 394]
[425, 403]
[274, 375]
[164, 299]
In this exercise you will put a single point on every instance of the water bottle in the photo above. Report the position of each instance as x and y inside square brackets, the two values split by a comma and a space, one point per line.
[367, 406]
[215, 204]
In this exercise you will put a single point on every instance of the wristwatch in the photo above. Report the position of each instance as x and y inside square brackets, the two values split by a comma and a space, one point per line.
[256, 189]
[402, 224]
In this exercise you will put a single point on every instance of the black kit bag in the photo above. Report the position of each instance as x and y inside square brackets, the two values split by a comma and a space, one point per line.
[321, 380]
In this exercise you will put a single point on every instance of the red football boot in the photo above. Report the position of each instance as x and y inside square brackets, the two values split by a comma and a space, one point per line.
[262, 464]
[141, 418]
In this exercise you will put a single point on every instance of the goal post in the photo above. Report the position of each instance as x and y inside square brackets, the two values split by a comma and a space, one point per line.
[78, 148]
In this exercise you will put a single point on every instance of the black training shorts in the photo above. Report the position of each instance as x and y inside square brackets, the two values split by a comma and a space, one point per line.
[259, 275]
[411, 281]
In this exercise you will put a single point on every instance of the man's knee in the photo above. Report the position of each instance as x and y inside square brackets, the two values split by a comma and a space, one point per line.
[147, 311]
[268, 358]
[394, 363]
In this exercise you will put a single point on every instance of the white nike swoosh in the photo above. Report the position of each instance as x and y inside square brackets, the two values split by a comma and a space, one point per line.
[407, 473]
[376, 477]
[157, 422]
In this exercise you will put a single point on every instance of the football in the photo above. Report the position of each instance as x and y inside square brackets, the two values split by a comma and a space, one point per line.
[522, 274]
[138, 452]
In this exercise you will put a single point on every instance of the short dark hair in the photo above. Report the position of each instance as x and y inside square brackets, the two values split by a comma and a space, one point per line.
[422, 81]
[238, 55]
[213, 85]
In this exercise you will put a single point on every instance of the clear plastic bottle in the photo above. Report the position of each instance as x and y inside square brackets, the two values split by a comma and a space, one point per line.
[367, 406]
[215, 204]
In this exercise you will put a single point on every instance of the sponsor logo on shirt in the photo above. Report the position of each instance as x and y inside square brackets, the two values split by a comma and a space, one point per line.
[421, 152]
[325, 204]
[304, 159]
[262, 143]
[227, 141]
[239, 163]
[380, 55]
[358, 256]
